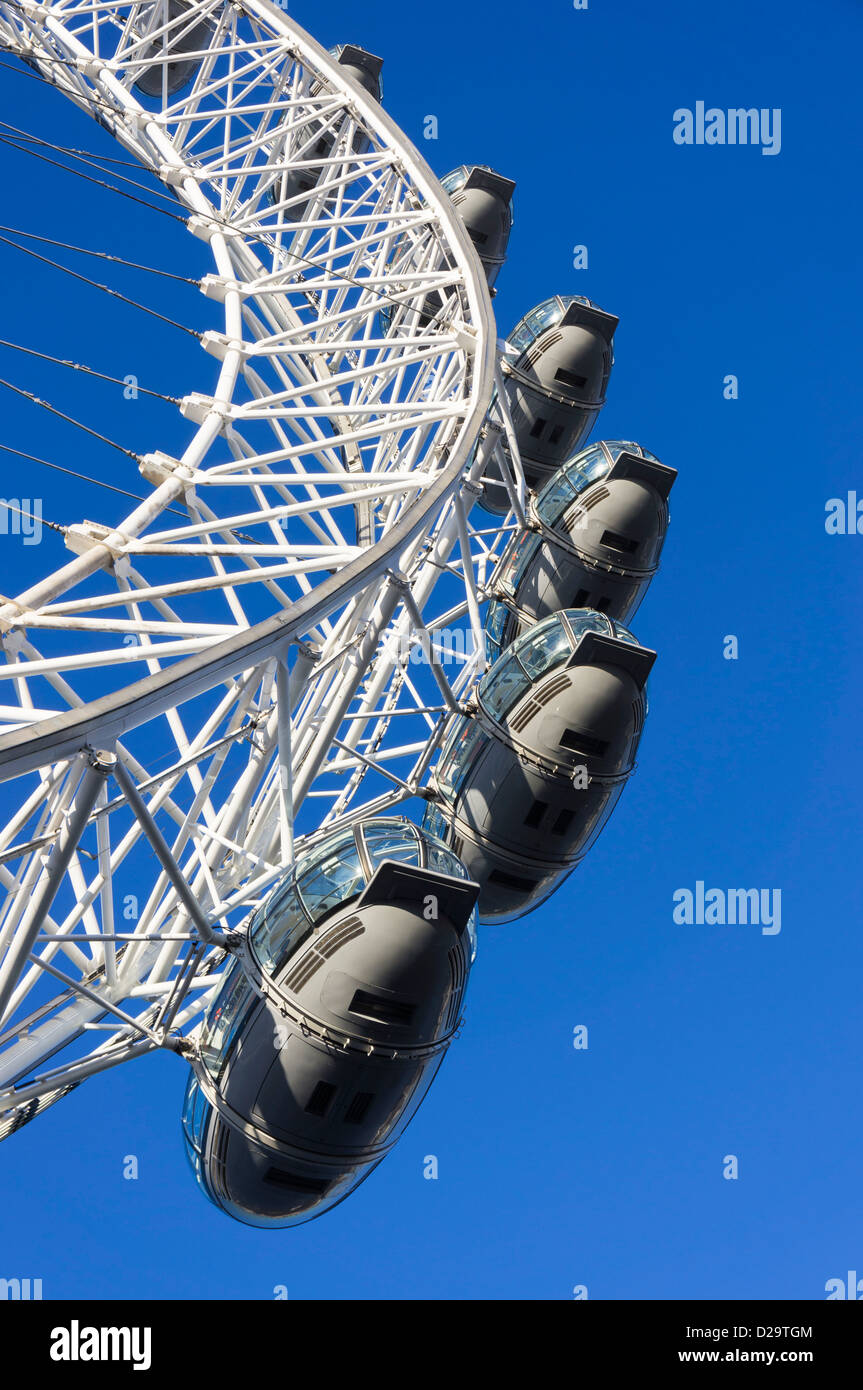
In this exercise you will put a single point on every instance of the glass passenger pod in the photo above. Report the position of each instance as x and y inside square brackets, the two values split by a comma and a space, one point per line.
[333, 873]
[254, 1183]
[316, 142]
[175, 30]
[557, 382]
[483, 199]
[369, 941]
[524, 788]
[601, 522]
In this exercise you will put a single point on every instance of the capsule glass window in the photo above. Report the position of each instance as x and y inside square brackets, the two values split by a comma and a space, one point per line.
[279, 927]
[579, 473]
[495, 623]
[523, 558]
[465, 754]
[443, 861]
[391, 839]
[451, 183]
[457, 754]
[194, 1160]
[516, 559]
[404, 841]
[594, 466]
[196, 1112]
[628, 446]
[545, 315]
[582, 620]
[570, 481]
[434, 823]
[544, 646]
[555, 498]
[448, 748]
[335, 875]
[505, 683]
[528, 329]
[521, 336]
[224, 1018]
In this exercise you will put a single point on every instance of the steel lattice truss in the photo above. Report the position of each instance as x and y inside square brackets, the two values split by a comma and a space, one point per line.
[188, 696]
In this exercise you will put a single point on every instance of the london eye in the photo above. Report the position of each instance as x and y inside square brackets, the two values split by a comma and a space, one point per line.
[232, 701]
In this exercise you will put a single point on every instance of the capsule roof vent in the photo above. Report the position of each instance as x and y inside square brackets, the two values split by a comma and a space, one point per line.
[346, 932]
[541, 347]
[301, 975]
[573, 520]
[592, 498]
[457, 978]
[555, 686]
[522, 717]
[313, 959]
[218, 1158]
[637, 716]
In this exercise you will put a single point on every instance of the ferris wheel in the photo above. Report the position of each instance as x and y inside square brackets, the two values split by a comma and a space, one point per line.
[248, 793]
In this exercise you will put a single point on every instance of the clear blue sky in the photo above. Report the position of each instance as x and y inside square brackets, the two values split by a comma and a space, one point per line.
[561, 1167]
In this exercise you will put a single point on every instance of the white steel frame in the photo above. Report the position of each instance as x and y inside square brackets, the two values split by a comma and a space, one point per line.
[351, 448]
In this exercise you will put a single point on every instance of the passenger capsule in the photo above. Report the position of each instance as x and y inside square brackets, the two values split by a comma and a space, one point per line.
[363, 66]
[316, 141]
[328, 1030]
[186, 34]
[483, 200]
[525, 784]
[598, 528]
[556, 365]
